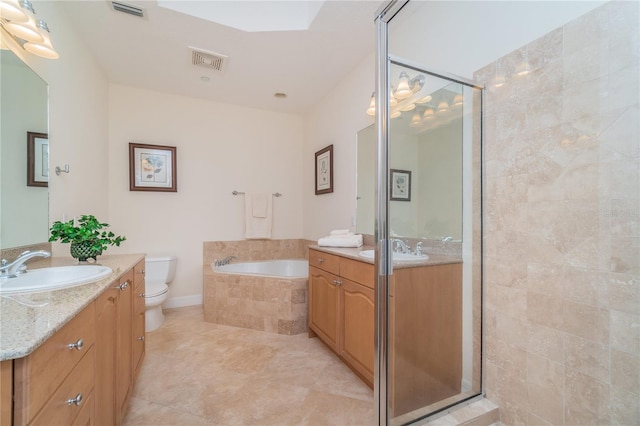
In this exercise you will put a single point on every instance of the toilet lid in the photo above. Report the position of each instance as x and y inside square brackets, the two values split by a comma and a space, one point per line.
[155, 289]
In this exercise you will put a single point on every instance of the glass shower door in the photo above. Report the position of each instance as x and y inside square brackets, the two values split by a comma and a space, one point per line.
[429, 236]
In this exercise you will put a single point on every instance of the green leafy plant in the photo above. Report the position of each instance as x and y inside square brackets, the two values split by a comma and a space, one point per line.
[87, 230]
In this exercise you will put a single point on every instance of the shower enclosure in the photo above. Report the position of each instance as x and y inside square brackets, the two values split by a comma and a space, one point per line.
[428, 202]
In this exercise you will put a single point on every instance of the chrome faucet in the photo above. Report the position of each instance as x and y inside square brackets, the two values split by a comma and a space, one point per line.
[13, 269]
[418, 251]
[447, 239]
[400, 246]
[224, 261]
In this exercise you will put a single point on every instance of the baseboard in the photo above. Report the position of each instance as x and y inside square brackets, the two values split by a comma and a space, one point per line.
[179, 302]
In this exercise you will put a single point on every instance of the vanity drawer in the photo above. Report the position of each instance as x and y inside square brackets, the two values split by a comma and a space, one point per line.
[360, 272]
[60, 410]
[324, 261]
[51, 363]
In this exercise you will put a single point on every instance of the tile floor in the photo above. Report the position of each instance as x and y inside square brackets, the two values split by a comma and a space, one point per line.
[198, 373]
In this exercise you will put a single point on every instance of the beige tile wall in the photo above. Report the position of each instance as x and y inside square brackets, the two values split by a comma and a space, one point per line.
[562, 225]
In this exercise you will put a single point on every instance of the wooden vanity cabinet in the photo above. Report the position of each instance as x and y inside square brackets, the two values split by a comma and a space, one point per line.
[54, 383]
[341, 308]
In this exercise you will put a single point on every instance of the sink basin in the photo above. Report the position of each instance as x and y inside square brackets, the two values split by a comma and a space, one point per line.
[54, 278]
[397, 257]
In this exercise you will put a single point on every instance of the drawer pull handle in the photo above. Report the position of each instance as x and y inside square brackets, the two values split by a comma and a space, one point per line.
[123, 286]
[77, 400]
[77, 345]
[141, 338]
[320, 260]
[337, 282]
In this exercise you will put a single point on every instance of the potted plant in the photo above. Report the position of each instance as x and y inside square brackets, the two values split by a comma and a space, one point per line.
[87, 236]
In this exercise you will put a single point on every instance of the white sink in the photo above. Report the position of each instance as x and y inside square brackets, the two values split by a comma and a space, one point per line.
[397, 257]
[54, 278]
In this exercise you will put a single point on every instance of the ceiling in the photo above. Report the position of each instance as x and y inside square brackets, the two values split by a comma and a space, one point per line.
[153, 52]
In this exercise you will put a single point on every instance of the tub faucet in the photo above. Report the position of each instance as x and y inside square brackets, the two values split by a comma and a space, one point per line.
[224, 261]
[13, 269]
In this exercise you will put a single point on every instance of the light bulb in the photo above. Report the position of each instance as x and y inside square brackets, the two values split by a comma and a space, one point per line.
[429, 114]
[27, 31]
[424, 100]
[372, 105]
[415, 120]
[44, 49]
[11, 10]
[409, 107]
[403, 91]
[443, 107]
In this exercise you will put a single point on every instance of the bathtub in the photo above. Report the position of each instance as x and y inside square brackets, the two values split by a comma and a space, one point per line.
[289, 268]
[268, 295]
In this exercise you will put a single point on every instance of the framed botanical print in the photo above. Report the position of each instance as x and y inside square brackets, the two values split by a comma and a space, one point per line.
[324, 170]
[152, 168]
[400, 185]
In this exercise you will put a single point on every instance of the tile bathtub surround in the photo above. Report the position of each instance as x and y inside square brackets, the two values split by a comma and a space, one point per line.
[246, 250]
[562, 225]
[219, 375]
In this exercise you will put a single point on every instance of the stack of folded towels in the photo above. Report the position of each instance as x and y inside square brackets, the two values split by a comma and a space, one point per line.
[341, 238]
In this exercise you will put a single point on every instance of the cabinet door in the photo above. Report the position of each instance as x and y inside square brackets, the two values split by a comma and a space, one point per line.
[106, 342]
[324, 306]
[138, 336]
[358, 328]
[124, 340]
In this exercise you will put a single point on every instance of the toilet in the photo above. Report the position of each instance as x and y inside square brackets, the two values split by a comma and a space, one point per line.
[159, 272]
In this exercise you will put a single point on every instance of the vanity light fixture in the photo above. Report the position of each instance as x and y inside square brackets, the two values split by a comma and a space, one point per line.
[30, 33]
[415, 120]
[372, 105]
[403, 96]
[428, 114]
[443, 107]
[408, 107]
[457, 101]
[403, 91]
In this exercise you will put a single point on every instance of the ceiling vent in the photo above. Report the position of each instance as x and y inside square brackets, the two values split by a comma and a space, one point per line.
[127, 8]
[210, 60]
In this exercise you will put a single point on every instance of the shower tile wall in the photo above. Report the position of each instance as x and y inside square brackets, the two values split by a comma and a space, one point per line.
[562, 225]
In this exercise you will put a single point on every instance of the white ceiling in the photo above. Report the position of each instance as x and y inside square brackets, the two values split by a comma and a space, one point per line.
[152, 52]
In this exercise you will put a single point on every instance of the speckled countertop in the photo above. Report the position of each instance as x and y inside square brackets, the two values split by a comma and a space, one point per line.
[28, 320]
[352, 253]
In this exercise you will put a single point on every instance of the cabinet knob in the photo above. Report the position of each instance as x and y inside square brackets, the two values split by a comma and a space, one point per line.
[77, 400]
[77, 345]
[141, 338]
[141, 272]
[320, 260]
[141, 295]
[123, 285]
[337, 282]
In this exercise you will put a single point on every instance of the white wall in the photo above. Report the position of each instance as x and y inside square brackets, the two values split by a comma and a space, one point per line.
[220, 148]
[336, 120]
[77, 122]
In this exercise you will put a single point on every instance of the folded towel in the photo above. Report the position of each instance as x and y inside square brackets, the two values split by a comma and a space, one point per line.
[257, 227]
[340, 232]
[260, 205]
[341, 241]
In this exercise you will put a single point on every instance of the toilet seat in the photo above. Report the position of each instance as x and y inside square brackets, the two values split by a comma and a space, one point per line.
[155, 289]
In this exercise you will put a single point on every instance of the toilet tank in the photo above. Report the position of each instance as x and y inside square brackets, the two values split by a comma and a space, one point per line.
[160, 269]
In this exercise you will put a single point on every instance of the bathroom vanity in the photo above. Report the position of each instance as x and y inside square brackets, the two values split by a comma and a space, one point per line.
[425, 362]
[72, 356]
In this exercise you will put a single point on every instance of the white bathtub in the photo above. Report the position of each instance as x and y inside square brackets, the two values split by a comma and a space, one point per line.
[285, 268]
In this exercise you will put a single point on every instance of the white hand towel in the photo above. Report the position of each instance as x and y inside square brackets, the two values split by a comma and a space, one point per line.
[340, 232]
[341, 241]
[260, 205]
[257, 227]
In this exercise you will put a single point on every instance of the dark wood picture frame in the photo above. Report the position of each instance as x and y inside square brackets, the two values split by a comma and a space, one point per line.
[324, 170]
[152, 168]
[37, 177]
[400, 182]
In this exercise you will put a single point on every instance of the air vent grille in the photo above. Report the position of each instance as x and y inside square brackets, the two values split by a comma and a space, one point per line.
[127, 8]
[211, 60]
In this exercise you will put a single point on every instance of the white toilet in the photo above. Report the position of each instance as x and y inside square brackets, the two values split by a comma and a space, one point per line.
[159, 272]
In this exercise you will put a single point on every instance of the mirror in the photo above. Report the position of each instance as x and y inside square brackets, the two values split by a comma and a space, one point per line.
[24, 199]
[426, 163]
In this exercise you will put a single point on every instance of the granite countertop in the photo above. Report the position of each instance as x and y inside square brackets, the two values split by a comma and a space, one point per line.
[28, 320]
[352, 253]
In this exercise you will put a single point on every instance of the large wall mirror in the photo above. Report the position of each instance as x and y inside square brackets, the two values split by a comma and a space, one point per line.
[426, 163]
[24, 199]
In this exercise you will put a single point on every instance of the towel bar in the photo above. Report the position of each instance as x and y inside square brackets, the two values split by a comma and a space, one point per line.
[277, 194]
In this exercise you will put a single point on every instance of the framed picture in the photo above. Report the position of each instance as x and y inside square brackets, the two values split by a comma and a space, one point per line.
[152, 168]
[37, 159]
[400, 185]
[324, 170]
